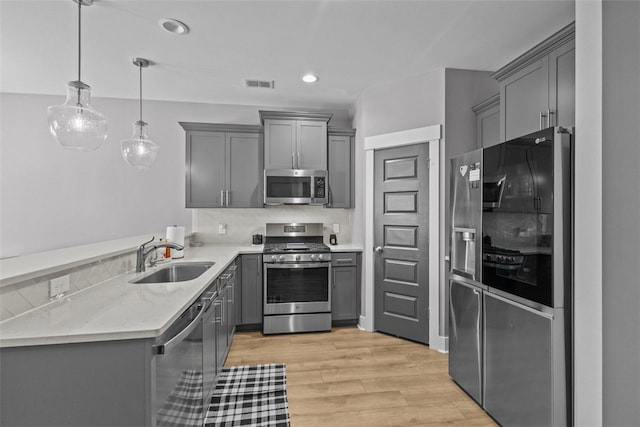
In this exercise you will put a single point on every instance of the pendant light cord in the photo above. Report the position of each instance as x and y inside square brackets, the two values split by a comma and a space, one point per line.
[140, 67]
[79, 37]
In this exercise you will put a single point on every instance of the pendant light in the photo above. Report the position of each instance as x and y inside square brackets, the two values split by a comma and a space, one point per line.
[75, 124]
[139, 151]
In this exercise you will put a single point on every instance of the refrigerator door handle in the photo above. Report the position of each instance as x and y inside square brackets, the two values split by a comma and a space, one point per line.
[480, 345]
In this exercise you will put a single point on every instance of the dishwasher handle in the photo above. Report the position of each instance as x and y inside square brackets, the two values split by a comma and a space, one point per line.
[180, 336]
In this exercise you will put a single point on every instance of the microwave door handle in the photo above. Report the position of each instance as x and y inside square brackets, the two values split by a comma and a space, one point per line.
[180, 336]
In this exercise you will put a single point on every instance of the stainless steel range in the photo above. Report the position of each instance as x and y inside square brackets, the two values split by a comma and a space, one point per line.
[297, 279]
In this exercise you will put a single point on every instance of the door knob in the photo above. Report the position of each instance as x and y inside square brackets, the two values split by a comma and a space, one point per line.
[378, 249]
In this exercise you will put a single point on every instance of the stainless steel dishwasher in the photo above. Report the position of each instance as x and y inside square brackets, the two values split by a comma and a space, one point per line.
[181, 371]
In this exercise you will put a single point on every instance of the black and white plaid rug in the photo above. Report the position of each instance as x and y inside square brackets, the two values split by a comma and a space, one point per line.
[250, 396]
[183, 407]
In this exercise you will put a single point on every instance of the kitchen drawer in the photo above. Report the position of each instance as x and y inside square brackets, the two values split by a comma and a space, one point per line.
[343, 259]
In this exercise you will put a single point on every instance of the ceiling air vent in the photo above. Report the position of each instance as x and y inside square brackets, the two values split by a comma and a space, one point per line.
[260, 84]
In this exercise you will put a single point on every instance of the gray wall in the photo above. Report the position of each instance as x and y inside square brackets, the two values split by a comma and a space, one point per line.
[52, 198]
[463, 90]
[621, 213]
[438, 97]
[405, 104]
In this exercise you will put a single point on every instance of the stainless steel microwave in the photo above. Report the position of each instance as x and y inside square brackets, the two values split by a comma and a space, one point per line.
[295, 187]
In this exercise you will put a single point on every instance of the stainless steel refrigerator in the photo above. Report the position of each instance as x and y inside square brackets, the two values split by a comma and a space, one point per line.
[465, 281]
[510, 278]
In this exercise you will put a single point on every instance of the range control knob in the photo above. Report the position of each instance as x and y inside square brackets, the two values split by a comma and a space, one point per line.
[314, 257]
[274, 258]
[320, 257]
[297, 257]
[281, 259]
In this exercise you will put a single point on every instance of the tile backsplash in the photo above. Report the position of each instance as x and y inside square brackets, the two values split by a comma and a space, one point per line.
[29, 294]
[242, 223]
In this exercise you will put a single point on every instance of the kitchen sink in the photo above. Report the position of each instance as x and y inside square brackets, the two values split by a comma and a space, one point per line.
[179, 272]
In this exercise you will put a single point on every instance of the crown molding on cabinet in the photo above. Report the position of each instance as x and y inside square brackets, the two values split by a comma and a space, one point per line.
[535, 53]
[487, 104]
[221, 127]
[294, 115]
[340, 132]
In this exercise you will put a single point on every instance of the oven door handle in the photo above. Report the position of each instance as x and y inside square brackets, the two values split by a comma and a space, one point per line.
[299, 265]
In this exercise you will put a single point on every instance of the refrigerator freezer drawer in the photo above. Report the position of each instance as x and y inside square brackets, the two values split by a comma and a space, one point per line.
[525, 371]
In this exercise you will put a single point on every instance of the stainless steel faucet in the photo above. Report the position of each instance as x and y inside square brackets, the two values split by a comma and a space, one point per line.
[143, 252]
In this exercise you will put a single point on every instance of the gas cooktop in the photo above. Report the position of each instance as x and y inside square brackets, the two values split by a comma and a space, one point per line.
[295, 247]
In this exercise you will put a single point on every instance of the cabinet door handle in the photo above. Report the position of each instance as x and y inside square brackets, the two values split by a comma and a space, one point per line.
[293, 160]
[344, 260]
[221, 197]
[549, 114]
[227, 201]
[542, 117]
[298, 159]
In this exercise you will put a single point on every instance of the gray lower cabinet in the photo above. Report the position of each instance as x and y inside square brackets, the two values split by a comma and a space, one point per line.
[537, 90]
[341, 168]
[222, 326]
[98, 384]
[224, 165]
[120, 382]
[251, 293]
[345, 287]
[226, 319]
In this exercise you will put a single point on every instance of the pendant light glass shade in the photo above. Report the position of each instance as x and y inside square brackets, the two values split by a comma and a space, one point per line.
[139, 151]
[75, 125]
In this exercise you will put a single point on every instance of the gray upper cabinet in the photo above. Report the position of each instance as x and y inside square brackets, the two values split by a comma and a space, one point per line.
[244, 174]
[537, 89]
[295, 140]
[341, 168]
[562, 89]
[488, 122]
[224, 165]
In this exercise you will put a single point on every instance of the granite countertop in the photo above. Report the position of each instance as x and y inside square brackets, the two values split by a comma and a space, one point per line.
[117, 309]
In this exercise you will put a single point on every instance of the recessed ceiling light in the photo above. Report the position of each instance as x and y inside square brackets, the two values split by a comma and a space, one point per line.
[309, 78]
[174, 26]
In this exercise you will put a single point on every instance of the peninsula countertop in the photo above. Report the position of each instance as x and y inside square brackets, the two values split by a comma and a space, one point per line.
[117, 309]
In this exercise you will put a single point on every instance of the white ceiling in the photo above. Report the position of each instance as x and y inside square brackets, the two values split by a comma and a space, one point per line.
[350, 44]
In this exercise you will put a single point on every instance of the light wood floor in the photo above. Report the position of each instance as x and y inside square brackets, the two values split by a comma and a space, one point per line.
[350, 377]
